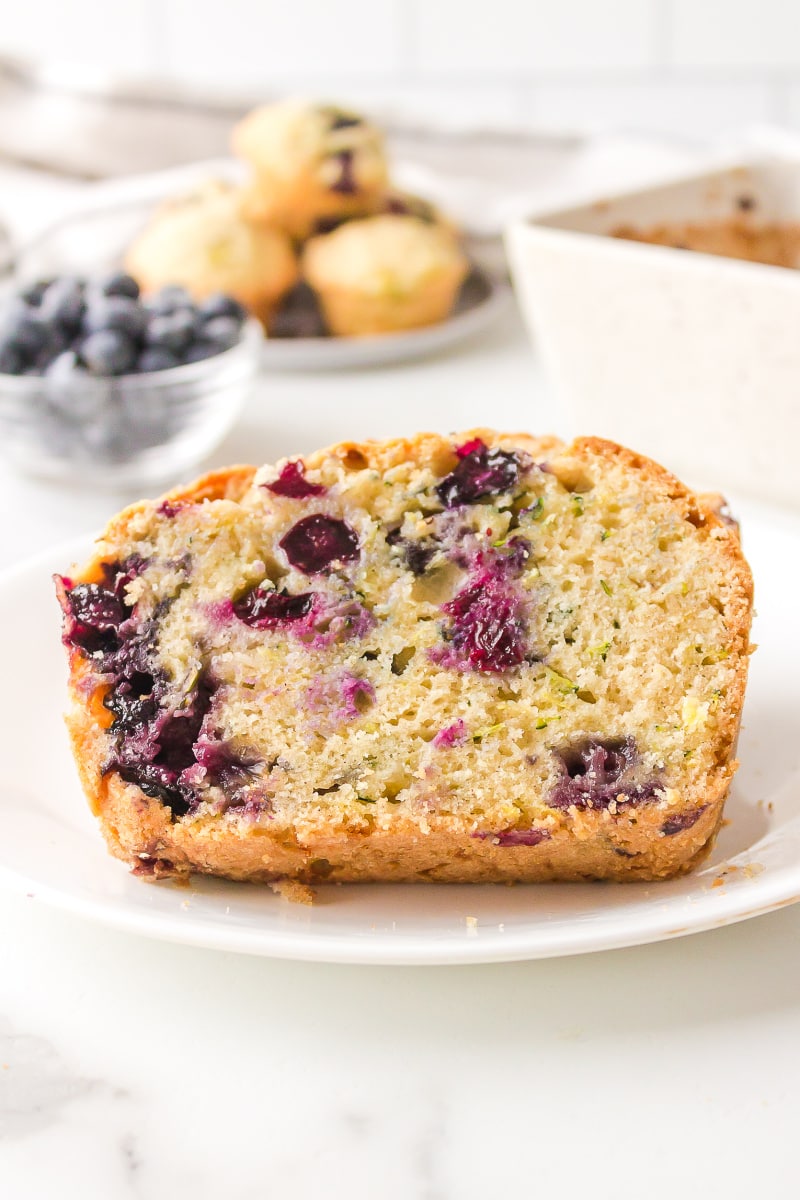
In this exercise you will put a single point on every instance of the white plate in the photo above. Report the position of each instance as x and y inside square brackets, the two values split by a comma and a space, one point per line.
[334, 353]
[51, 849]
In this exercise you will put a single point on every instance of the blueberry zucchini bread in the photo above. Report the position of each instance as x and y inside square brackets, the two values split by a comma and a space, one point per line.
[486, 657]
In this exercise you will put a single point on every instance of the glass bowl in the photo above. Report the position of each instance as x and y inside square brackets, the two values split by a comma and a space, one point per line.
[93, 240]
[127, 430]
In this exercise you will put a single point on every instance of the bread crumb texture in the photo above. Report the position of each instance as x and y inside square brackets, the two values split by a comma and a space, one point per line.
[484, 657]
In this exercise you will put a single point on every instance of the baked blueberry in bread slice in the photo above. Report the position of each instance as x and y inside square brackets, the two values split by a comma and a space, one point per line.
[484, 657]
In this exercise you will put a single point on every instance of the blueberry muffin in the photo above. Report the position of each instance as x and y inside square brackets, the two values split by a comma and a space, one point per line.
[204, 242]
[480, 658]
[385, 274]
[311, 163]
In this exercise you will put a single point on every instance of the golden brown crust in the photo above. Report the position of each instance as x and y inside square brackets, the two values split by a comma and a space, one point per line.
[595, 844]
[348, 314]
[138, 829]
[229, 483]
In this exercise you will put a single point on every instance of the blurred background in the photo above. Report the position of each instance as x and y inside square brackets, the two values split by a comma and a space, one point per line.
[494, 110]
[691, 70]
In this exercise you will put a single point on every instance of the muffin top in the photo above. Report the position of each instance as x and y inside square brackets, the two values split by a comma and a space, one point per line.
[341, 150]
[376, 254]
[203, 242]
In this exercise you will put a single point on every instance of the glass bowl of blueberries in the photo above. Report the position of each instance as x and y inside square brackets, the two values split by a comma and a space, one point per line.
[101, 385]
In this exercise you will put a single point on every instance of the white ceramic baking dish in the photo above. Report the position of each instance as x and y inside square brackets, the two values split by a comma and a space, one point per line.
[690, 358]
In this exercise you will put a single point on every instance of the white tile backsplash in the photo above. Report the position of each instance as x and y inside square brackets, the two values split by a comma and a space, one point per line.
[792, 116]
[455, 106]
[687, 67]
[750, 34]
[88, 33]
[687, 110]
[261, 44]
[512, 36]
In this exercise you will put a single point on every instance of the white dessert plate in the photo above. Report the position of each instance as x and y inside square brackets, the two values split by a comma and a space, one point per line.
[482, 300]
[51, 849]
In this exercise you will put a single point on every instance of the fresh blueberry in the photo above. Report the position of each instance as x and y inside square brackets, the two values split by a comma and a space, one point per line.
[223, 332]
[11, 361]
[108, 352]
[168, 298]
[171, 331]
[115, 312]
[63, 303]
[119, 284]
[220, 305]
[197, 351]
[32, 293]
[156, 358]
[58, 341]
[26, 330]
[299, 315]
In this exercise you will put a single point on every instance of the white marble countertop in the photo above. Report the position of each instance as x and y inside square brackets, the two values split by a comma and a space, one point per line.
[136, 1070]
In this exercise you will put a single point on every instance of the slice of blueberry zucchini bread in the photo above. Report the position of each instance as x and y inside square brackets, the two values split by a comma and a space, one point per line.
[486, 657]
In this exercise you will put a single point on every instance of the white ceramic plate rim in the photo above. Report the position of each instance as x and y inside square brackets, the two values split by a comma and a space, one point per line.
[625, 915]
[782, 890]
[330, 353]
